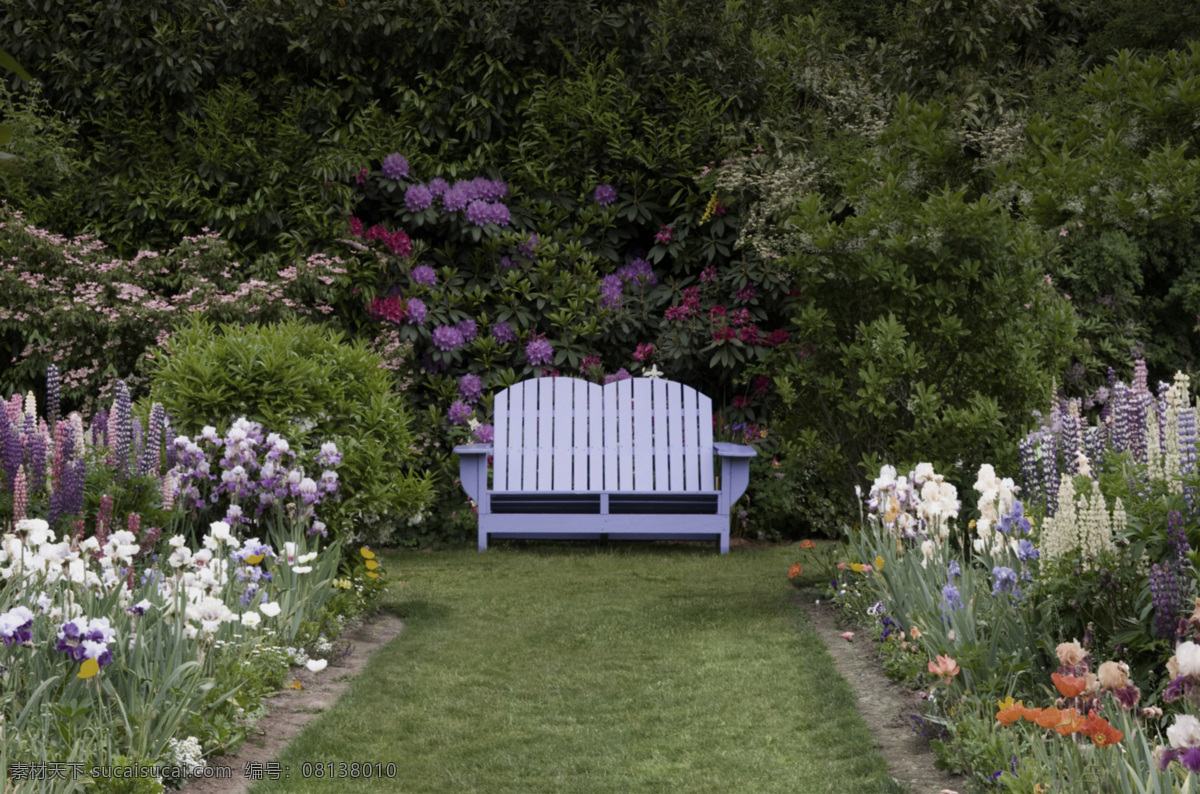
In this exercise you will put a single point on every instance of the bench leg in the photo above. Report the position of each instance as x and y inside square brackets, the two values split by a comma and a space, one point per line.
[482, 540]
[725, 542]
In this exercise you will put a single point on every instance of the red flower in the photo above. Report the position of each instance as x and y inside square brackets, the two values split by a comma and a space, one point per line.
[795, 571]
[808, 544]
[777, 337]
[741, 402]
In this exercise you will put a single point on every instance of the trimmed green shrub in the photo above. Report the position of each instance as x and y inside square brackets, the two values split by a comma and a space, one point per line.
[305, 383]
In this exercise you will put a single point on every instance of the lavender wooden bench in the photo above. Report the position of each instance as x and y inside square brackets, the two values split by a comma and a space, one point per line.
[629, 460]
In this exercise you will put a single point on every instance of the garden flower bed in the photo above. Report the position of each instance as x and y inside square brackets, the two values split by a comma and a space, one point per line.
[154, 590]
[1052, 631]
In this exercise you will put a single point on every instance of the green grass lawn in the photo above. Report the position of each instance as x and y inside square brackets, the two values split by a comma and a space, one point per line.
[588, 668]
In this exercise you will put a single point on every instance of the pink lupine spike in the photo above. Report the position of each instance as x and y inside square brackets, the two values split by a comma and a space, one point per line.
[20, 496]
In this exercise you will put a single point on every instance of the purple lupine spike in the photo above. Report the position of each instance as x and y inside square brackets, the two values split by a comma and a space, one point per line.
[1030, 481]
[72, 502]
[1070, 443]
[1093, 447]
[1140, 376]
[1139, 417]
[10, 452]
[53, 395]
[1120, 418]
[1166, 592]
[100, 428]
[148, 461]
[37, 463]
[121, 440]
[1050, 474]
[138, 438]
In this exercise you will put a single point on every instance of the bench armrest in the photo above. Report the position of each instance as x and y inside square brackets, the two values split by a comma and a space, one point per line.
[735, 472]
[473, 449]
[727, 450]
[472, 471]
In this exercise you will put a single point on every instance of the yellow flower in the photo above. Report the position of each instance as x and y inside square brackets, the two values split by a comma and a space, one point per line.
[879, 563]
[366, 553]
[255, 560]
[372, 574]
[372, 565]
[342, 584]
[856, 567]
[972, 524]
[295, 685]
[1007, 703]
[89, 668]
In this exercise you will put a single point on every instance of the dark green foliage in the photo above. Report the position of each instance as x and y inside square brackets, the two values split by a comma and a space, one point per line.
[931, 327]
[305, 383]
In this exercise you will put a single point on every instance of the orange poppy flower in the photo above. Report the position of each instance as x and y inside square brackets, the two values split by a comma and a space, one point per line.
[1101, 732]
[1069, 686]
[808, 544]
[795, 571]
[1011, 714]
[1048, 717]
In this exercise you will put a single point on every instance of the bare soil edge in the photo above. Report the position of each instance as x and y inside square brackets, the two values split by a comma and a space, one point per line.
[292, 709]
[884, 704]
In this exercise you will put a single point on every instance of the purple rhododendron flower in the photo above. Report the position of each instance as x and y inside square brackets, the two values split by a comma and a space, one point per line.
[418, 198]
[459, 412]
[503, 333]
[605, 195]
[480, 212]
[416, 311]
[470, 387]
[395, 166]
[486, 434]
[527, 248]
[620, 374]
[424, 274]
[610, 291]
[438, 187]
[539, 352]
[455, 198]
[447, 337]
[467, 329]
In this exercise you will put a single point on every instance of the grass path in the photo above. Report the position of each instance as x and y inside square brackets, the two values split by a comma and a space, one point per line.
[581, 668]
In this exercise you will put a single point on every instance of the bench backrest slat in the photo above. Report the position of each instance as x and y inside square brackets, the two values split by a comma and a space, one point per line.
[704, 423]
[691, 471]
[623, 441]
[643, 435]
[501, 462]
[650, 435]
[675, 435]
[564, 432]
[660, 421]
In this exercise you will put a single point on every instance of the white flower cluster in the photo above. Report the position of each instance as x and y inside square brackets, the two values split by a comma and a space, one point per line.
[996, 498]
[1082, 524]
[922, 503]
[31, 552]
[186, 754]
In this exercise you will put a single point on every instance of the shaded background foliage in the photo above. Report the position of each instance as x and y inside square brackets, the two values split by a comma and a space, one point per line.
[1020, 140]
